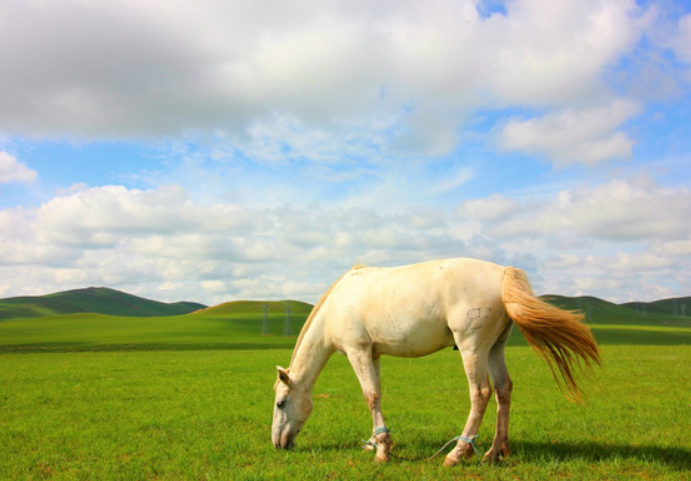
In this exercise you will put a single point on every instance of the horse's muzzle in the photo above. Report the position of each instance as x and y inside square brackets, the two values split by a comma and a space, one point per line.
[285, 440]
[288, 445]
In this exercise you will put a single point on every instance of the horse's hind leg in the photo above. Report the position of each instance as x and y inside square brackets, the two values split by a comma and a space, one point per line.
[475, 364]
[502, 389]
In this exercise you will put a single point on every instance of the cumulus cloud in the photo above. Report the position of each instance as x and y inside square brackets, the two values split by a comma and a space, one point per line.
[122, 69]
[161, 241]
[682, 43]
[552, 53]
[162, 244]
[492, 208]
[621, 240]
[680, 247]
[358, 107]
[621, 210]
[13, 171]
[586, 136]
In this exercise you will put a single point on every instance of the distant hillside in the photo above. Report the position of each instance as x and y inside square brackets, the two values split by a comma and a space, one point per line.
[233, 325]
[593, 308]
[242, 325]
[99, 300]
[242, 308]
[680, 306]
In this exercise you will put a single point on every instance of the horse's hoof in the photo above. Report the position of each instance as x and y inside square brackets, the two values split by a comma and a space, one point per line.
[453, 458]
[490, 457]
[496, 455]
[383, 454]
[458, 453]
[382, 458]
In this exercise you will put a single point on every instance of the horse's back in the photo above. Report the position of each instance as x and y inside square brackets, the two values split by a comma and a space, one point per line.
[412, 310]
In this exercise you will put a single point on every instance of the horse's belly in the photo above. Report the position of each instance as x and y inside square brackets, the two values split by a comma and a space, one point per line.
[410, 340]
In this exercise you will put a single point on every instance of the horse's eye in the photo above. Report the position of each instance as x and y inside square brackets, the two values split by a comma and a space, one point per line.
[280, 404]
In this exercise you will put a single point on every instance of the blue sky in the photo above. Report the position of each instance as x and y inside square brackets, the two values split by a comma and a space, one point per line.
[213, 150]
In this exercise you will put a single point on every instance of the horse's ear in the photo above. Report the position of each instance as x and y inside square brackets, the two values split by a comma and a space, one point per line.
[283, 375]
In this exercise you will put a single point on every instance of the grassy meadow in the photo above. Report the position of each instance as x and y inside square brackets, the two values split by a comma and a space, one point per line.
[99, 397]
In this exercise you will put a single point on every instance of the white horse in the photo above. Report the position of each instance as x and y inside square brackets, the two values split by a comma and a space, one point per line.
[416, 310]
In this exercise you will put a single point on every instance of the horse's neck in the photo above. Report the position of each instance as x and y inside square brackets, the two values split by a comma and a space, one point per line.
[310, 355]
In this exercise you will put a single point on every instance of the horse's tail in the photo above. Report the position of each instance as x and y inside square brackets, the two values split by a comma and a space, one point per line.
[557, 335]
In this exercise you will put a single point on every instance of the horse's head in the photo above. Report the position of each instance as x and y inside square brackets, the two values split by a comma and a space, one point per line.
[292, 407]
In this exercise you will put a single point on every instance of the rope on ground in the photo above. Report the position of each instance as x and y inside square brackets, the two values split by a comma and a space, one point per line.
[470, 441]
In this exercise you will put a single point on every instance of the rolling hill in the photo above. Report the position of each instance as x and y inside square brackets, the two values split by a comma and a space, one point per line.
[241, 309]
[234, 325]
[679, 306]
[98, 300]
[103, 319]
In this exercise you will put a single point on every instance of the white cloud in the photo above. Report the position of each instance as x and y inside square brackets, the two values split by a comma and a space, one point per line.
[335, 108]
[162, 243]
[572, 136]
[682, 43]
[454, 181]
[159, 243]
[214, 286]
[680, 247]
[490, 208]
[640, 262]
[621, 210]
[564, 261]
[13, 171]
[552, 53]
[637, 209]
[621, 240]
[121, 69]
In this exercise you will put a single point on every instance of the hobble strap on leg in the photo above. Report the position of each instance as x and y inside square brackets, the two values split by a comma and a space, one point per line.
[382, 430]
[369, 443]
[470, 441]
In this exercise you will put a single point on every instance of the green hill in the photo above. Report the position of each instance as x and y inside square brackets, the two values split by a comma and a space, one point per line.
[235, 325]
[243, 309]
[596, 310]
[98, 300]
[241, 324]
[679, 306]
[629, 323]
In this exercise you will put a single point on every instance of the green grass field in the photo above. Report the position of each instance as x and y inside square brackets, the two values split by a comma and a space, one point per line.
[96, 397]
[207, 415]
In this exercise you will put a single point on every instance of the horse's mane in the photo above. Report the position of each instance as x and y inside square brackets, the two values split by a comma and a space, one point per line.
[316, 309]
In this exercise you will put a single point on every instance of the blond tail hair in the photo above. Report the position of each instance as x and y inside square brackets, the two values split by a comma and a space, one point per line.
[558, 336]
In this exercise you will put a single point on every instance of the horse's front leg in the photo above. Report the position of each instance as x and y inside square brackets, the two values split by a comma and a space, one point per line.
[366, 368]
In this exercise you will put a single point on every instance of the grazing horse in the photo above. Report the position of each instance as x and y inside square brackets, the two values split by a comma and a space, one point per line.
[416, 310]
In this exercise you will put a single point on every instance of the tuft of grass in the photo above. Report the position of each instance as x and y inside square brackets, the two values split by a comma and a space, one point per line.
[170, 415]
